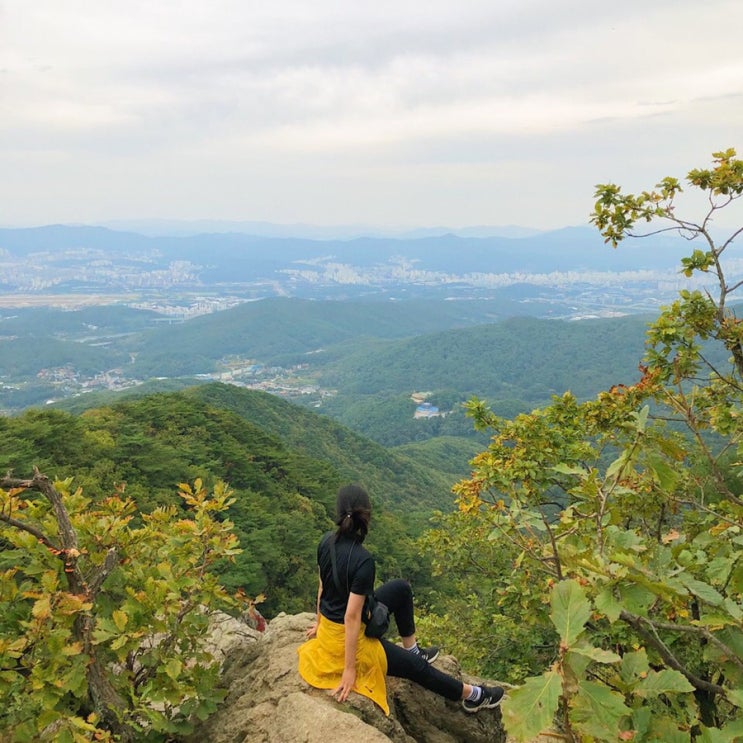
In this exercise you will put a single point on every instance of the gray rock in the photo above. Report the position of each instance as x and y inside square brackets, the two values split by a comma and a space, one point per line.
[268, 701]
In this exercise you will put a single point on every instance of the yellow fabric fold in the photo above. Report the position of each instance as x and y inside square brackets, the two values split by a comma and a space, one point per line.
[322, 658]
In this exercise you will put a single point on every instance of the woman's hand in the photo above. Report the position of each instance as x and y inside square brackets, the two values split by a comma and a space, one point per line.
[348, 679]
[311, 631]
[352, 628]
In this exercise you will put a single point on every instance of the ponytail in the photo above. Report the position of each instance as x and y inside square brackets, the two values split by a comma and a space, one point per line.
[353, 512]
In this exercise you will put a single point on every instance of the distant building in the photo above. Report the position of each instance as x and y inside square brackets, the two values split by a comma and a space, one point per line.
[419, 397]
[426, 410]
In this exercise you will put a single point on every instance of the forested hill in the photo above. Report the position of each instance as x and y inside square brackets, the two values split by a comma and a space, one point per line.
[530, 357]
[515, 365]
[398, 480]
[357, 362]
[284, 463]
[284, 331]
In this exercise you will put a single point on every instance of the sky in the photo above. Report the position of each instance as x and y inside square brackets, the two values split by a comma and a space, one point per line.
[409, 113]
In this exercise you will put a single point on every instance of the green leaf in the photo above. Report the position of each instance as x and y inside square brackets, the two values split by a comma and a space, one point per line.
[733, 609]
[570, 610]
[173, 668]
[636, 598]
[635, 666]
[119, 642]
[667, 475]
[616, 466]
[701, 590]
[734, 730]
[575, 663]
[531, 708]
[715, 620]
[596, 654]
[46, 718]
[642, 418]
[715, 735]
[663, 682]
[735, 696]
[607, 605]
[719, 569]
[641, 721]
[597, 710]
[569, 469]
[120, 619]
[663, 729]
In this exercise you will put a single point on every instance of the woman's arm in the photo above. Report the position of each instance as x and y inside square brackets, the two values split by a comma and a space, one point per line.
[352, 624]
[312, 629]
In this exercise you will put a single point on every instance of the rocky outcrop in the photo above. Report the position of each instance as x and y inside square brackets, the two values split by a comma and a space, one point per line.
[268, 702]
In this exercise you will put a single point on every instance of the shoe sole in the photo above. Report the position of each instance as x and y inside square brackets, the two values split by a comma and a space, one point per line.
[489, 705]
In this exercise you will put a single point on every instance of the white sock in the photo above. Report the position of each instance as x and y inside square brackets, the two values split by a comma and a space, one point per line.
[413, 648]
[475, 694]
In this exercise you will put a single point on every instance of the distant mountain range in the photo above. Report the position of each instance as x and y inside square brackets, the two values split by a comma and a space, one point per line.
[562, 274]
[248, 257]
[87, 260]
[168, 227]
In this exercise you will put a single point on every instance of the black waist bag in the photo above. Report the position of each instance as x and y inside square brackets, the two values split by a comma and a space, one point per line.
[376, 616]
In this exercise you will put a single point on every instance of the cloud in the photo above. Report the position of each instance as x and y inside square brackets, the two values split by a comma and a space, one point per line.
[340, 92]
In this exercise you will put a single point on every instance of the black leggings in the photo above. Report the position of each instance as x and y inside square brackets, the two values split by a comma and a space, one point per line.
[398, 596]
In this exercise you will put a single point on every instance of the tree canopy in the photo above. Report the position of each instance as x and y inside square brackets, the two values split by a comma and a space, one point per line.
[613, 527]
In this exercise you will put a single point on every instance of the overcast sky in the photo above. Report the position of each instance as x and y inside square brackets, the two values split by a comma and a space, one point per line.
[404, 113]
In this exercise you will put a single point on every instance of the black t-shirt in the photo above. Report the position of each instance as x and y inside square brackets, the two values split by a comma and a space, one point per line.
[355, 574]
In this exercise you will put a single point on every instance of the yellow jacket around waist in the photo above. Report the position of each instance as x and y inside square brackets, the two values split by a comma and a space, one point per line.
[321, 662]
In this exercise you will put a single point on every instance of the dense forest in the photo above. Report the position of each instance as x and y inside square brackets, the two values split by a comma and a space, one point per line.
[283, 462]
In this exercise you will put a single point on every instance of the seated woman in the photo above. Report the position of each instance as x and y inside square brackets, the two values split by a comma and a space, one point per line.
[338, 655]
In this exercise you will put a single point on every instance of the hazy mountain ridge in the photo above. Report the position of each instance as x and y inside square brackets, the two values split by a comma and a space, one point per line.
[180, 227]
[580, 246]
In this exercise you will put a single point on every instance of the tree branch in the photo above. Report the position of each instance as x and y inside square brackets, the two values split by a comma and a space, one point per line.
[555, 553]
[705, 633]
[99, 576]
[646, 629]
[732, 237]
[23, 526]
[104, 697]
[68, 550]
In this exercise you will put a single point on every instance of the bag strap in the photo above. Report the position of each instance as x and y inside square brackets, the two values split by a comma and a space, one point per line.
[334, 563]
[331, 545]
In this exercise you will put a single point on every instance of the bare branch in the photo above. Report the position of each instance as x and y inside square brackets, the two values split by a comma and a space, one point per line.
[680, 227]
[732, 237]
[731, 382]
[735, 286]
[555, 551]
[706, 509]
[99, 576]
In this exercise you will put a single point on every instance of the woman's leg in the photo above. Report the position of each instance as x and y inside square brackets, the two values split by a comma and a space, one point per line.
[404, 664]
[398, 596]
